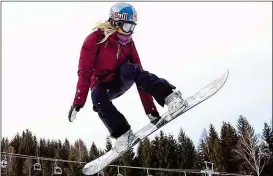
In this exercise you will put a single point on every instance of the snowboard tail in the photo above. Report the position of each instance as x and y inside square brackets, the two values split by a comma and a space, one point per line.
[98, 164]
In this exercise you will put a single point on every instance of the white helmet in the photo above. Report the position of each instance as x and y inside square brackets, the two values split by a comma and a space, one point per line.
[123, 15]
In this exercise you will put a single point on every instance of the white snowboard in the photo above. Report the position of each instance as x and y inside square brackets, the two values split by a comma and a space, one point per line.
[106, 159]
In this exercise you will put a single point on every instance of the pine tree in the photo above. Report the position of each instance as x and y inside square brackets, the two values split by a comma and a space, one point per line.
[143, 156]
[42, 147]
[243, 126]
[94, 152]
[185, 151]
[268, 149]
[43, 151]
[158, 148]
[144, 153]
[28, 143]
[4, 144]
[229, 141]
[78, 152]
[199, 162]
[64, 154]
[164, 149]
[203, 153]
[27, 167]
[108, 144]
[65, 149]
[127, 159]
[214, 148]
[11, 161]
[268, 137]
[15, 143]
[173, 157]
[27, 146]
[109, 171]
[51, 153]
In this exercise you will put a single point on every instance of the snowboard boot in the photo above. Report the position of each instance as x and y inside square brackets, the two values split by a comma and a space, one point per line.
[175, 102]
[124, 141]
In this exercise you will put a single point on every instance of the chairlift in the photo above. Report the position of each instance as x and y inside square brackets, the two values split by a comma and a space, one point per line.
[148, 173]
[209, 171]
[4, 162]
[119, 173]
[57, 170]
[100, 173]
[37, 166]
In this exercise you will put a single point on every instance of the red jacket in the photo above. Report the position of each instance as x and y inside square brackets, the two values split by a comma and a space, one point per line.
[106, 61]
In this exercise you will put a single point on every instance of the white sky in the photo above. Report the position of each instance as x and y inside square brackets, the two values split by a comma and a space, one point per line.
[188, 43]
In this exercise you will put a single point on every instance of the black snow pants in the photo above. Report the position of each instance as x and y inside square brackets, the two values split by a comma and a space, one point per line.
[127, 74]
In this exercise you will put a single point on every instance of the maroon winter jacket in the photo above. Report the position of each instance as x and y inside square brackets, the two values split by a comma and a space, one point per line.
[97, 60]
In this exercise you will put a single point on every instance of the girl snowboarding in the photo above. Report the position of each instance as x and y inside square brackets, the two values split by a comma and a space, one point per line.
[109, 65]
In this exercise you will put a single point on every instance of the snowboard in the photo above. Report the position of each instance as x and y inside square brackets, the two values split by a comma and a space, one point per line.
[103, 161]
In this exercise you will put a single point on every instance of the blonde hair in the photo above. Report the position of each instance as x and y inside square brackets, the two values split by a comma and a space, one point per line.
[107, 28]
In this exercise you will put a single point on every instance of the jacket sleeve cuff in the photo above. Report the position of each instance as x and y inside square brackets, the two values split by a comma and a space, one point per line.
[81, 92]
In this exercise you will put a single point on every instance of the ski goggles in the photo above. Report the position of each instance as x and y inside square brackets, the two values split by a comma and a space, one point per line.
[126, 26]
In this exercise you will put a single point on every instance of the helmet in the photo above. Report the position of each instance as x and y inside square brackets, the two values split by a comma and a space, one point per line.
[124, 16]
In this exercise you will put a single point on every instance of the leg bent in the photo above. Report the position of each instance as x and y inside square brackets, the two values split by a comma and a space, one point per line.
[115, 121]
[117, 91]
[159, 88]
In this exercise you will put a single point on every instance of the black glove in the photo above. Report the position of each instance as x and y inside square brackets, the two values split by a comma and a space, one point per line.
[73, 112]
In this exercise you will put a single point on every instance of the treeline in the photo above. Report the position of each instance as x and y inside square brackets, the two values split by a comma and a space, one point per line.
[235, 150]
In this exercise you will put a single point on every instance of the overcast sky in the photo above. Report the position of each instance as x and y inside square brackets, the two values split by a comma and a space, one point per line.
[188, 43]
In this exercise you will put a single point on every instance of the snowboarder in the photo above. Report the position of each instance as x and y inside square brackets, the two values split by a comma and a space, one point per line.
[109, 64]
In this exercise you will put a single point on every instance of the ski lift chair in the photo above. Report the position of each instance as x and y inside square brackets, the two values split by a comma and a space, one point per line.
[148, 173]
[207, 168]
[208, 171]
[4, 162]
[119, 173]
[37, 166]
[57, 170]
[100, 173]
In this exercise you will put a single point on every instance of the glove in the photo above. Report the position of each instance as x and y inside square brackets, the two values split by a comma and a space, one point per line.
[73, 112]
[154, 117]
